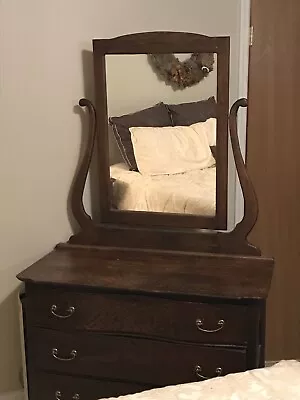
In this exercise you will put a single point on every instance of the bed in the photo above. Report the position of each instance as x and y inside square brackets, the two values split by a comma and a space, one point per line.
[279, 382]
[191, 192]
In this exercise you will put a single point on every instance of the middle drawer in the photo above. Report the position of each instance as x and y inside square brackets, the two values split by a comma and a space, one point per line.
[139, 315]
[129, 359]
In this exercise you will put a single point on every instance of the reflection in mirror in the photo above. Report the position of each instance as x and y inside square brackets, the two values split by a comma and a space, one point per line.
[162, 114]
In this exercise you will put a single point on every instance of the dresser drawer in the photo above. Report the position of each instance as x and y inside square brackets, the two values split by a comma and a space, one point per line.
[140, 315]
[130, 359]
[47, 386]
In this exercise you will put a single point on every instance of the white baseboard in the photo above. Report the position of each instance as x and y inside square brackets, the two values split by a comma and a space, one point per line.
[18, 395]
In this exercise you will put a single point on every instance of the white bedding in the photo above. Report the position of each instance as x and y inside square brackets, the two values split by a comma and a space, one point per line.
[192, 192]
[280, 382]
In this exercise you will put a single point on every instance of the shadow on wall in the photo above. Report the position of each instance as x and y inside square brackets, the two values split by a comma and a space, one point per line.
[10, 344]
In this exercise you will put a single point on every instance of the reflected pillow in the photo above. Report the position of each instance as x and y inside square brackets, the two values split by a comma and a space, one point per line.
[191, 113]
[209, 128]
[171, 150]
[156, 116]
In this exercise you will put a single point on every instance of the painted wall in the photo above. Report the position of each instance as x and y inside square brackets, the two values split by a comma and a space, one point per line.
[133, 85]
[45, 68]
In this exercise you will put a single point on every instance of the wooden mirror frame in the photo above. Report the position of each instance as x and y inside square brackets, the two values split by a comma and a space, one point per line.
[160, 43]
[117, 234]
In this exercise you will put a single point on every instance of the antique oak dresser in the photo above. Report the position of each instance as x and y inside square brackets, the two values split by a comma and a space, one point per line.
[123, 307]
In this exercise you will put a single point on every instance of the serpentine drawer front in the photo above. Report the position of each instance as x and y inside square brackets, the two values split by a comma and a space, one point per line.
[140, 315]
[130, 359]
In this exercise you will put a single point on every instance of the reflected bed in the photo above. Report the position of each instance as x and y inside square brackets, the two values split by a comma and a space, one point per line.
[191, 192]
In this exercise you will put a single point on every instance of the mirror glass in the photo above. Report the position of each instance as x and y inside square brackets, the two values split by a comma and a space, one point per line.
[162, 132]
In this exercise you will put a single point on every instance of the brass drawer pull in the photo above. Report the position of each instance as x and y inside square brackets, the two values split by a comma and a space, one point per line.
[73, 354]
[58, 396]
[200, 323]
[70, 311]
[198, 370]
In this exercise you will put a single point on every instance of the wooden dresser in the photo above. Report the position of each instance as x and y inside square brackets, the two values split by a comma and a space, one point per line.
[137, 300]
[108, 321]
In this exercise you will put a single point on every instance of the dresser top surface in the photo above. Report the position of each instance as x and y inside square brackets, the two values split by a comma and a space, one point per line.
[152, 272]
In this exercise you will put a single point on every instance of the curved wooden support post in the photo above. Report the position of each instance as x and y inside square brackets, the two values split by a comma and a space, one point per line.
[234, 242]
[78, 210]
[243, 228]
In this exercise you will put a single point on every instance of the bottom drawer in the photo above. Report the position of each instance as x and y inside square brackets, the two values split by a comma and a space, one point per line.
[45, 386]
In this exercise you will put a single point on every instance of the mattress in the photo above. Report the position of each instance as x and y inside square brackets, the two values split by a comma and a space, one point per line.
[192, 192]
[279, 382]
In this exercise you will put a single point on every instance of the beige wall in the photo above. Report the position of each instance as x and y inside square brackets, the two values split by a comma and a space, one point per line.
[141, 87]
[44, 54]
[132, 85]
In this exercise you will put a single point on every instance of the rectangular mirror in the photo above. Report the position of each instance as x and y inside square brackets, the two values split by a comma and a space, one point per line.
[162, 129]
[164, 134]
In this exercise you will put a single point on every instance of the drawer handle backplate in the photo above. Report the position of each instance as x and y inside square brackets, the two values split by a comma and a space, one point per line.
[73, 354]
[200, 323]
[70, 311]
[198, 370]
[59, 397]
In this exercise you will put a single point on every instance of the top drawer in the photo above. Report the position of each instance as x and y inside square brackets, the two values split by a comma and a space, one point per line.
[139, 315]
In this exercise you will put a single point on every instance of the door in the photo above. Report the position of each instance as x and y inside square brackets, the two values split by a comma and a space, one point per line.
[273, 146]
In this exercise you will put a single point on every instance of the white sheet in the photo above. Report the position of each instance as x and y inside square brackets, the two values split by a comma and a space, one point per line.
[192, 192]
[280, 382]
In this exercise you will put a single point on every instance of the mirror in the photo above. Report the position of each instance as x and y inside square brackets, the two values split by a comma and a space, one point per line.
[162, 112]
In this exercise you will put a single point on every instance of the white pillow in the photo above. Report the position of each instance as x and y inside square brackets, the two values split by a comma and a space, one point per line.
[209, 128]
[170, 150]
